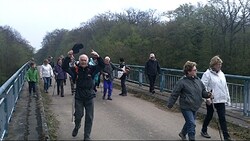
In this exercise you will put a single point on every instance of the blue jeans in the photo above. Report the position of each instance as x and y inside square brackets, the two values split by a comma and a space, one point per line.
[189, 126]
[46, 81]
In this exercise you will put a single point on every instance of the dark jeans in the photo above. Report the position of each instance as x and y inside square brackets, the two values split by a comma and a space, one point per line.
[72, 86]
[32, 86]
[151, 82]
[221, 110]
[189, 126]
[89, 115]
[123, 85]
[60, 89]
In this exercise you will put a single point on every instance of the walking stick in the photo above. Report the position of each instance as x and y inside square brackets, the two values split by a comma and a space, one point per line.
[216, 119]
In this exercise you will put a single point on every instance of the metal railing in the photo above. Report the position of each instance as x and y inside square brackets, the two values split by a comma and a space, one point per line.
[238, 86]
[9, 94]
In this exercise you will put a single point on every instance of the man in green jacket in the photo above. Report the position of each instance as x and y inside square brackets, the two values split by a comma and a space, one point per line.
[32, 77]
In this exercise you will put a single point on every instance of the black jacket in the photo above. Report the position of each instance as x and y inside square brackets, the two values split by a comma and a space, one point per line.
[152, 67]
[84, 78]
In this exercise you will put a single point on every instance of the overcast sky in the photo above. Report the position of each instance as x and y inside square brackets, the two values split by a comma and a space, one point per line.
[34, 18]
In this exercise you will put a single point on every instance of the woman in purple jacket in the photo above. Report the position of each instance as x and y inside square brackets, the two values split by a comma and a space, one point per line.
[60, 76]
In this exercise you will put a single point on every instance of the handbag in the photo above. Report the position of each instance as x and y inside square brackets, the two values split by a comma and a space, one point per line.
[120, 73]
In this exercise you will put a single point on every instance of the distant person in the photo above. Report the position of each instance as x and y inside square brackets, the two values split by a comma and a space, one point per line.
[108, 77]
[31, 61]
[51, 62]
[60, 76]
[46, 73]
[123, 77]
[152, 67]
[83, 74]
[190, 91]
[215, 81]
[32, 77]
[94, 62]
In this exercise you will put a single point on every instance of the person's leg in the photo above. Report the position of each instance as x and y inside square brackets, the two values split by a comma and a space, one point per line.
[98, 80]
[150, 83]
[30, 88]
[220, 107]
[58, 86]
[45, 80]
[189, 117]
[207, 120]
[72, 86]
[61, 87]
[153, 83]
[89, 116]
[105, 87]
[110, 88]
[47, 84]
[78, 116]
[34, 87]
[124, 89]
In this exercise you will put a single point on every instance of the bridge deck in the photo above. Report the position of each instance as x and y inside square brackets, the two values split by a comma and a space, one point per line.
[122, 118]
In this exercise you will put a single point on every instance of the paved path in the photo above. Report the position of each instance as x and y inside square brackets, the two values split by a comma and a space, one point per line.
[123, 118]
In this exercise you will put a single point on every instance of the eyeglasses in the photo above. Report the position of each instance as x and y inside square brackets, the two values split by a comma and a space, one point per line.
[194, 70]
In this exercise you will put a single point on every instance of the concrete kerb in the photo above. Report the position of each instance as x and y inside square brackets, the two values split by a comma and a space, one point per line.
[45, 130]
[233, 115]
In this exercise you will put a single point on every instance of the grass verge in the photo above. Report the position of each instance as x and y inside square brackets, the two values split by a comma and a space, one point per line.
[50, 117]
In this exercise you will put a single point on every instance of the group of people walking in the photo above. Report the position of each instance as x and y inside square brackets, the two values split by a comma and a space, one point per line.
[85, 74]
[191, 90]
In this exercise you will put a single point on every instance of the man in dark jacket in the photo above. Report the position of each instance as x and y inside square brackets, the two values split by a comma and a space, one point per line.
[82, 75]
[152, 67]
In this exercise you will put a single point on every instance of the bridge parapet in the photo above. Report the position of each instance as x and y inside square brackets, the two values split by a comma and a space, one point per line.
[238, 85]
[9, 94]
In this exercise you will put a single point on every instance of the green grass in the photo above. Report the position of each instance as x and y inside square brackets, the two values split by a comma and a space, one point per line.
[50, 117]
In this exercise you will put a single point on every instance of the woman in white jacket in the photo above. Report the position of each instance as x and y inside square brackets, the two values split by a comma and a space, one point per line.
[215, 82]
[46, 72]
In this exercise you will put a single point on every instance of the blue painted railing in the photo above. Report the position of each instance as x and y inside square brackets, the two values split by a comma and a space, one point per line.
[238, 86]
[9, 94]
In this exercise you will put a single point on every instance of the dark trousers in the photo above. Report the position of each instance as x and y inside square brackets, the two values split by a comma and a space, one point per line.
[123, 85]
[60, 88]
[151, 82]
[32, 86]
[89, 115]
[72, 86]
[221, 110]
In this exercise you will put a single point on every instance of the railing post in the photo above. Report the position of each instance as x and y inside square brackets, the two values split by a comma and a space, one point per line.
[246, 98]
[140, 77]
[6, 116]
[162, 82]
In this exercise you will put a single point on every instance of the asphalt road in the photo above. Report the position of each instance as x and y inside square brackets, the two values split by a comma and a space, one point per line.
[123, 118]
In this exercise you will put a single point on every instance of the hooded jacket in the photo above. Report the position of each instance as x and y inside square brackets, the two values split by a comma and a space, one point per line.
[216, 82]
